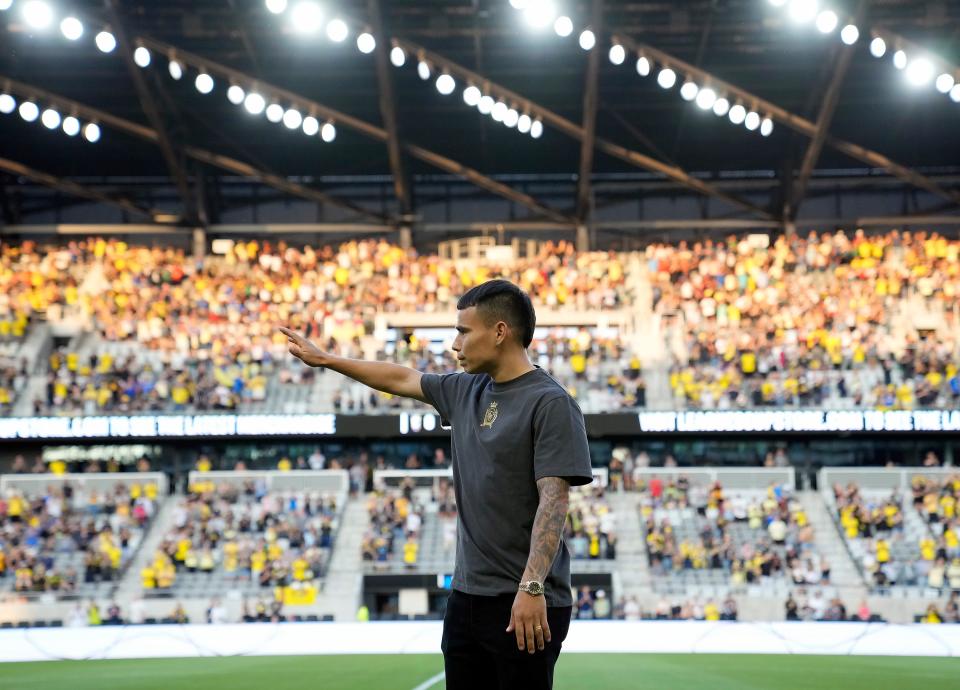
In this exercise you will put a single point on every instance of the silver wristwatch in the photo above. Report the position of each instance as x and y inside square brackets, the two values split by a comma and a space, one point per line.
[532, 587]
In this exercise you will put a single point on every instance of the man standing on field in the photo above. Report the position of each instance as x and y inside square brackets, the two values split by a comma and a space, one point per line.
[519, 443]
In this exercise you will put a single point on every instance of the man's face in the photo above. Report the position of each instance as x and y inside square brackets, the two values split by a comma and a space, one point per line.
[476, 341]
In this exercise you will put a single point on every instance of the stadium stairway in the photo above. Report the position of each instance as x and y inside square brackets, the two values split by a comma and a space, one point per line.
[646, 338]
[343, 583]
[35, 349]
[844, 574]
[130, 584]
[631, 569]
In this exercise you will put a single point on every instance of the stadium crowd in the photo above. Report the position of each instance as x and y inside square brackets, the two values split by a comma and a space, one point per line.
[814, 321]
[246, 535]
[61, 539]
[590, 530]
[874, 525]
[802, 321]
[750, 537]
[175, 333]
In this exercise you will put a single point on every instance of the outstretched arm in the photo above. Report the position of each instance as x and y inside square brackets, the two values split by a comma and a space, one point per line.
[528, 619]
[383, 376]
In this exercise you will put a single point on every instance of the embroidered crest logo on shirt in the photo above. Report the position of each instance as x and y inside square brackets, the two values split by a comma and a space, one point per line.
[490, 416]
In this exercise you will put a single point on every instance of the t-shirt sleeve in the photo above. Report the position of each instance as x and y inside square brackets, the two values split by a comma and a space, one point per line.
[441, 391]
[560, 442]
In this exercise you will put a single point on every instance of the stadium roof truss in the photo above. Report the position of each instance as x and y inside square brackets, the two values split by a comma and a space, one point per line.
[175, 155]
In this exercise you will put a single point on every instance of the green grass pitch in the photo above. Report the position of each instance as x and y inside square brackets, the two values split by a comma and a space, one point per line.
[574, 672]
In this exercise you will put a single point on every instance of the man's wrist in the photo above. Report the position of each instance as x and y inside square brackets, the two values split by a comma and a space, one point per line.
[318, 360]
[532, 587]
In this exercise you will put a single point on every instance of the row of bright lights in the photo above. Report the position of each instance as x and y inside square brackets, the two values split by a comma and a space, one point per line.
[39, 16]
[705, 97]
[50, 118]
[253, 102]
[540, 13]
[472, 96]
[918, 71]
[306, 17]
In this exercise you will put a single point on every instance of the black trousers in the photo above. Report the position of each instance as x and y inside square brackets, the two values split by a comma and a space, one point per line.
[479, 654]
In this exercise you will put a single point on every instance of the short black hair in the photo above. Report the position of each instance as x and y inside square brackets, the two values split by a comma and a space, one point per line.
[501, 300]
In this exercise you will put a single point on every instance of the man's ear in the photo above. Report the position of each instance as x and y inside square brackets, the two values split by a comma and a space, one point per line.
[503, 332]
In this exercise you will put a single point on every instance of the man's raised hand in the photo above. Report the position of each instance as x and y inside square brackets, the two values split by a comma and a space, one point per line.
[303, 349]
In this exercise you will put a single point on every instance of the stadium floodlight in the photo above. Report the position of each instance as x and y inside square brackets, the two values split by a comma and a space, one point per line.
[310, 125]
[5, 5]
[512, 118]
[106, 42]
[306, 17]
[802, 11]
[920, 72]
[689, 90]
[706, 98]
[643, 66]
[366, 43]
[37, 14]
[397, 56]
[275, 112]
[235, 94]
[446, 84]
[277, 6]
[485, 105]
[587, 39]
[667, 78]
[50, 118]
[328, 132]
[524, 123]
[766, 127]
[955, 94]
[850, 34]
[71, 28]
[176, 70]
[7, 103]
[29, 111]
[752, 121]
[737, 114]
[617, 54]
[337, 30]
[423, 70]
[292, 119]
[721, 107]
[92, 132]
[141, 56]
[878, 47]
[539, 14]
[900, 60]
[472, 95]
[499, 111]
[204, 83]
[536, 129]
[254, 103]
[71, 126]
[563, 26]
[827, 21]
[945, 83]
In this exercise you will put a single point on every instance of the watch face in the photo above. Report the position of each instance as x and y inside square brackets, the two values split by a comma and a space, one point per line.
[534, 587]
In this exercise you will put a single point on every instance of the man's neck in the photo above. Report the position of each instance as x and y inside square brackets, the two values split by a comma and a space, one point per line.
[512, 368]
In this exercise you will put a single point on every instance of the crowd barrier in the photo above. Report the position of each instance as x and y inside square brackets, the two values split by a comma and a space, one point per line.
[268, 639]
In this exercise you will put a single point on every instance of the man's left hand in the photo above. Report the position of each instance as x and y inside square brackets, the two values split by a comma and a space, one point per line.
[528, 621]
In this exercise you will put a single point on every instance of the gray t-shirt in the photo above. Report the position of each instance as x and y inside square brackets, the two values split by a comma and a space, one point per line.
[505, 437]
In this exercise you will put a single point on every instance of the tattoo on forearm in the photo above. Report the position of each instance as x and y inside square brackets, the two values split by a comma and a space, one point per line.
[547, 526]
